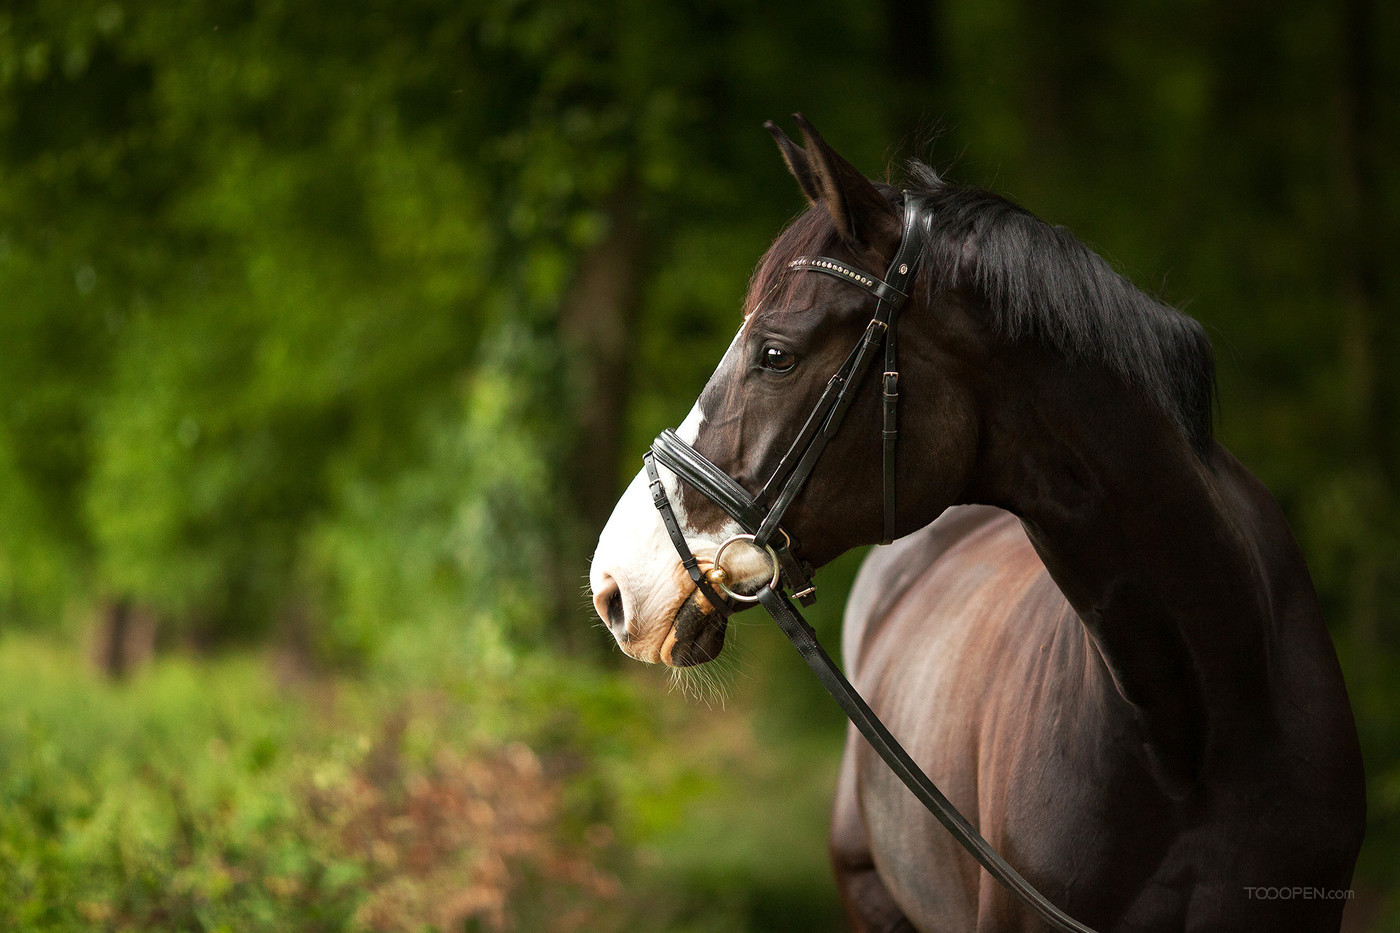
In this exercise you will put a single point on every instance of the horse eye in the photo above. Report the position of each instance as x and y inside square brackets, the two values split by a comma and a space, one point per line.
[778, 360]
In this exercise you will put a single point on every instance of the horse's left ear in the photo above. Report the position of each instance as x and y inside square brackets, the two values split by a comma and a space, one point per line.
[797, 162]
[861, 213]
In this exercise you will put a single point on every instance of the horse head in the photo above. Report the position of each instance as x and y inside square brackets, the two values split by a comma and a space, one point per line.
[796, 331]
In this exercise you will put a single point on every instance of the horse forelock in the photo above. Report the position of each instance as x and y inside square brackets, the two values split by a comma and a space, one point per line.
[811, 234]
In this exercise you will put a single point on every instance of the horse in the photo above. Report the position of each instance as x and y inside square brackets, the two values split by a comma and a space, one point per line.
[1096, 634]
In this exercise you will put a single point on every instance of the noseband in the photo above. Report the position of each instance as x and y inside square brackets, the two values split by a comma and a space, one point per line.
[760, 518]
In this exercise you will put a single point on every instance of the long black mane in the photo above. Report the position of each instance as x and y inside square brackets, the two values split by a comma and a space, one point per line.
[1040, 283]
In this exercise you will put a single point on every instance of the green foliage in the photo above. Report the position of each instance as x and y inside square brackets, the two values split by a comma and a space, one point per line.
[423, 547]
[203, 796]
[246, 259]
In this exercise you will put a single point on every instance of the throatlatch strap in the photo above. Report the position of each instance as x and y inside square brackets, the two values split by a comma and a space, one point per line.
[864, 719]
[901, 272]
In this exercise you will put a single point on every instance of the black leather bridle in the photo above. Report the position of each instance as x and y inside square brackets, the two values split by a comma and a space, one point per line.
[760, 518]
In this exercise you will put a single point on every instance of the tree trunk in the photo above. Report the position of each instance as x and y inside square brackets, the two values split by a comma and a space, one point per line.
[125, 637]
[597, 322]
[116, 630]
[1366, 332]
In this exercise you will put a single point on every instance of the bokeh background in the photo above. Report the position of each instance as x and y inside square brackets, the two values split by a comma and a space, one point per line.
[330, 332]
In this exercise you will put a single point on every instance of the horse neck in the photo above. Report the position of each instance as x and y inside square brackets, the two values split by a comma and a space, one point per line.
[1151, 541]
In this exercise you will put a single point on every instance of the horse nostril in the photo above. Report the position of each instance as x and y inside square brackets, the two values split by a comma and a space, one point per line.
[615, 616]
[607, 600]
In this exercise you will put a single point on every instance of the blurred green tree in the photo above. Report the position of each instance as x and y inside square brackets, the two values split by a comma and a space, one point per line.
[263, 262]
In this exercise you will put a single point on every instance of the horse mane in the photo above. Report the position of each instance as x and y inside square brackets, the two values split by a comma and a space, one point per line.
[1039, 283]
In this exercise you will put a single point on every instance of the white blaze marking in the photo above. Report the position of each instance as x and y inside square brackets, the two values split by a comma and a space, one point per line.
[689, 431]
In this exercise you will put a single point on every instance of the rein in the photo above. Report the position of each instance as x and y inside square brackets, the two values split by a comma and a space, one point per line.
[760, 517]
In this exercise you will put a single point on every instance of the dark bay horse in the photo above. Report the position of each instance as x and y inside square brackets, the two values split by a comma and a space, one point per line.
[1098, 635]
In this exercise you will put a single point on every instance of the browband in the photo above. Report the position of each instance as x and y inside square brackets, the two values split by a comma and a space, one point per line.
[882, 290]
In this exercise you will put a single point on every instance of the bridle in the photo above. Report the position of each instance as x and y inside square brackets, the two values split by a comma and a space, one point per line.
[760, 517]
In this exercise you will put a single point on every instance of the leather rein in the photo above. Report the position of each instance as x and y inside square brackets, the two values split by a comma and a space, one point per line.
[760, 518]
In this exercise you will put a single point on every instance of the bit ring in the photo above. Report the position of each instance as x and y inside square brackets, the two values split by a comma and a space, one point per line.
[772, 555]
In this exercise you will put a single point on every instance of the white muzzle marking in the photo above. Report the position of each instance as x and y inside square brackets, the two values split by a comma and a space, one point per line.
[636, 556]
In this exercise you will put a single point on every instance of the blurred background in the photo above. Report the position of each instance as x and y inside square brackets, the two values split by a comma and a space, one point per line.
[329, 334]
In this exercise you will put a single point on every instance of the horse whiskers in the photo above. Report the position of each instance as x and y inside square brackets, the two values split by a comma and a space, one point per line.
[702, 684]
[713, 682]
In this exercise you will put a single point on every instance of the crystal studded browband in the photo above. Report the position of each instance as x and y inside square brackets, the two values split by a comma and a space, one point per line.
[877, 287]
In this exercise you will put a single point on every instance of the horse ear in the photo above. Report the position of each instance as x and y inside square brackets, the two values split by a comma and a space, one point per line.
[858, 209]
[797, 163]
